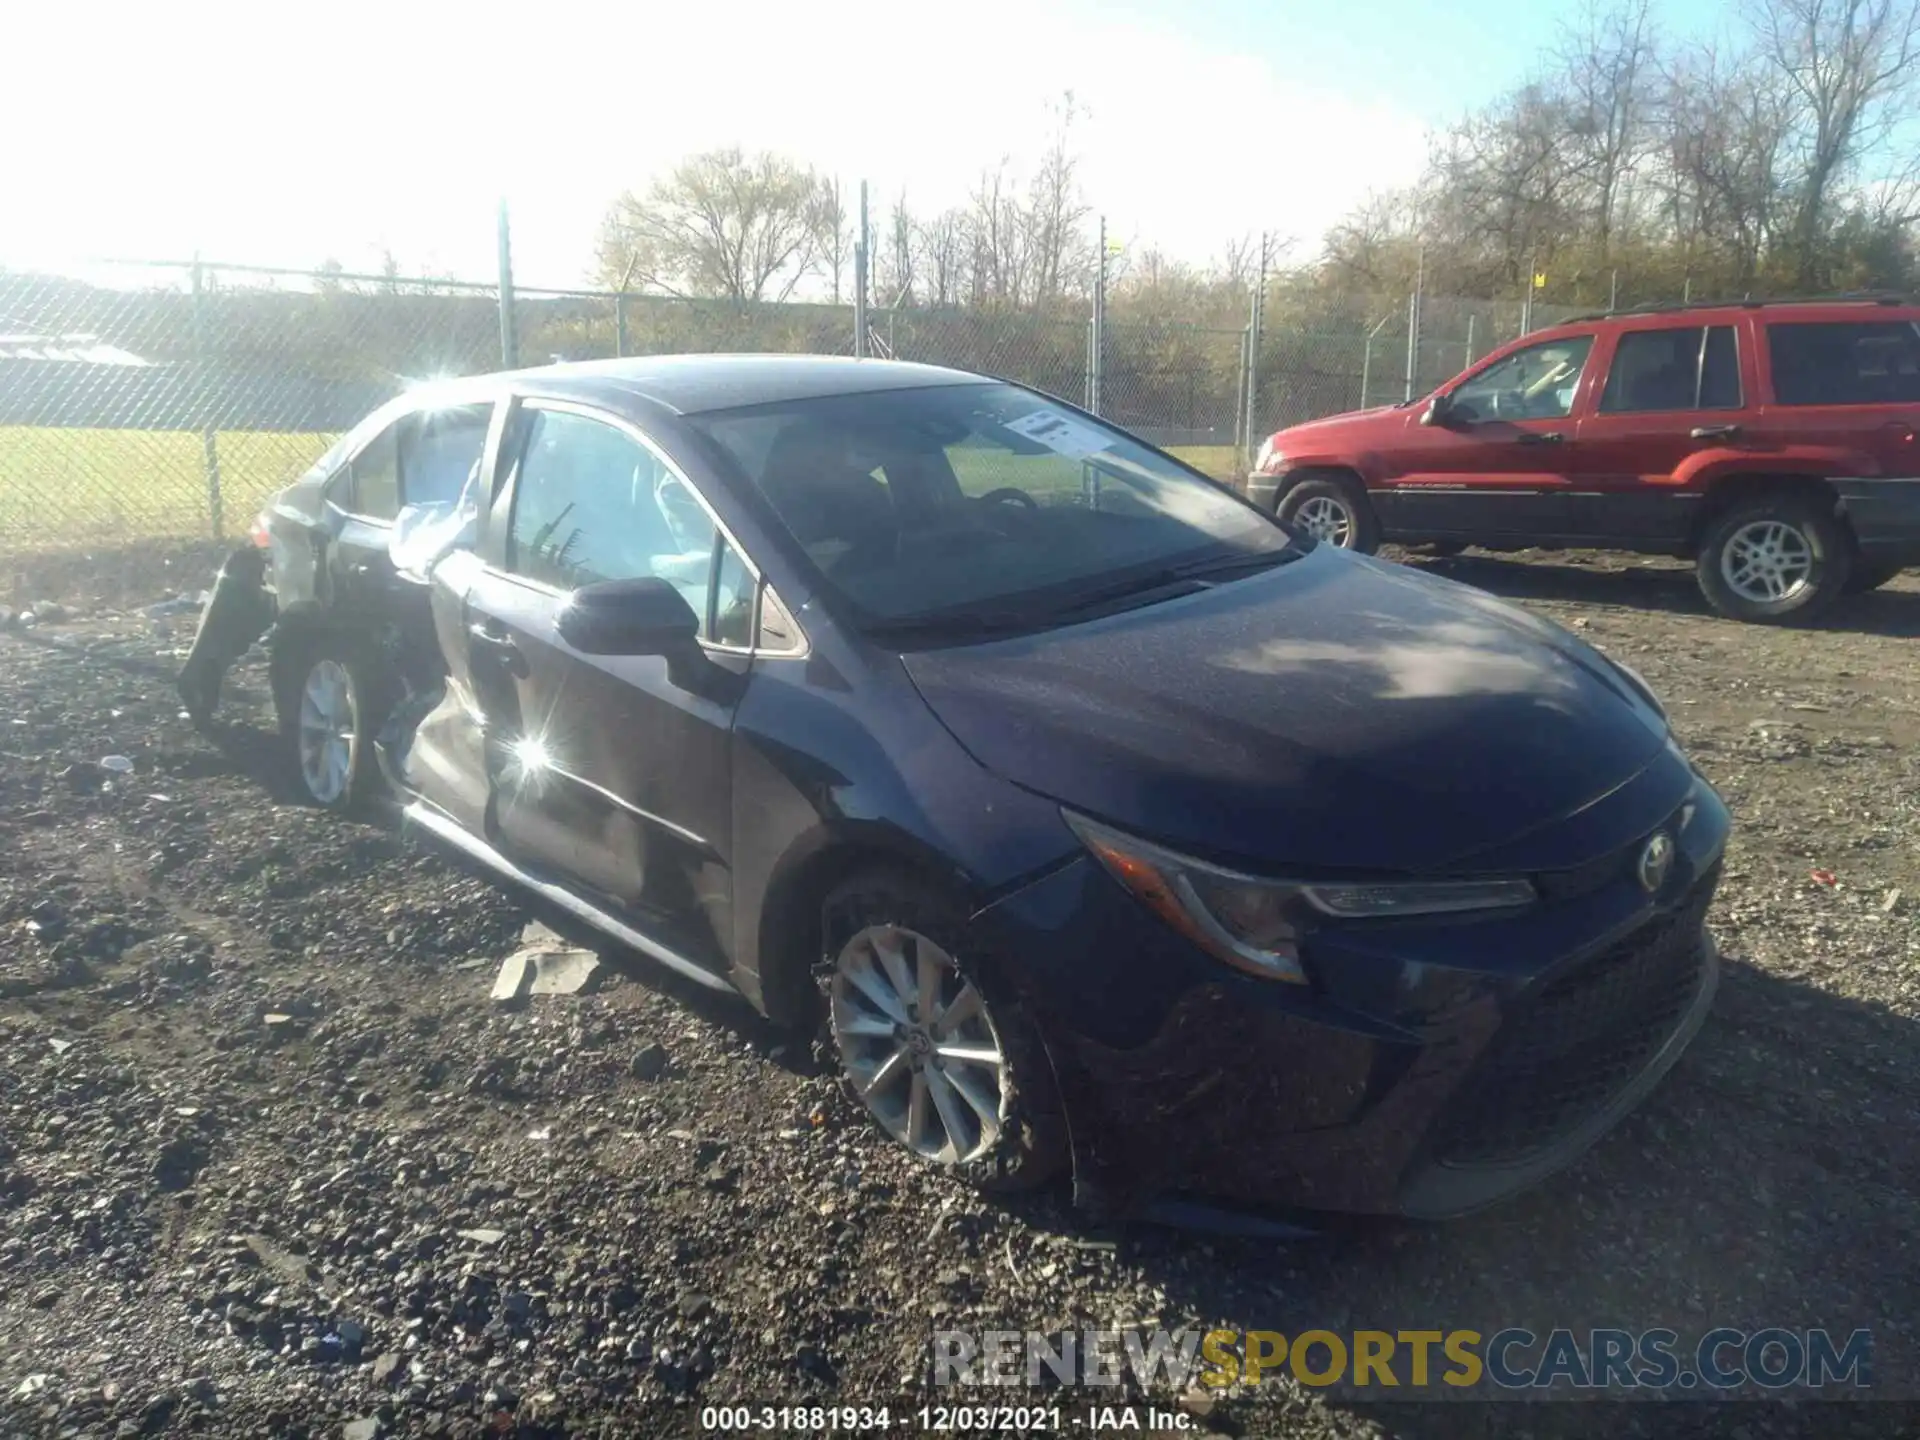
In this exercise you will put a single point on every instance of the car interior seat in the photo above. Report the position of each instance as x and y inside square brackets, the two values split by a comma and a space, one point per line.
[820, 494]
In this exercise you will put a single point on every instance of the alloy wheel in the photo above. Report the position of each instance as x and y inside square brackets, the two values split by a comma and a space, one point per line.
[329, 713]
[1325, 518]
[918, 1044]
[1767, 561]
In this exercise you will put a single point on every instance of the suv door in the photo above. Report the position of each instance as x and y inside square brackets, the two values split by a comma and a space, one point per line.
[1675, 395]
[1497, 467]
[609, 773]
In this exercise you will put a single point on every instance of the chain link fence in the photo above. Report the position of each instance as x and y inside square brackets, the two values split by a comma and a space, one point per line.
[150, 401]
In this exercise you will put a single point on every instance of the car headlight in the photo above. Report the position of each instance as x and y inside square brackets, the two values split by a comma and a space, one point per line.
[1254, 923]
[1267, 457]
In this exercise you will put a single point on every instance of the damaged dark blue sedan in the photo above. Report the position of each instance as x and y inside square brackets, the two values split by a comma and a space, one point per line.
[1105, 823]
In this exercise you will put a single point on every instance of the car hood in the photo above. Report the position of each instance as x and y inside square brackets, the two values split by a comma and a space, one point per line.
[1330, 424]
[1333, 712]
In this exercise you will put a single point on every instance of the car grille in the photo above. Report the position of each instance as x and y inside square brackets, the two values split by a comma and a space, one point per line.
[1565, 1051]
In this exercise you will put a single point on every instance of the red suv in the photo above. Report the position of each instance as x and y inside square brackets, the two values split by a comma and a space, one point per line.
[1772, 443]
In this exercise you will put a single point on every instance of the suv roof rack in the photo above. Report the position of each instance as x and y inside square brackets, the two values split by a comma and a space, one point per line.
[1670, 307]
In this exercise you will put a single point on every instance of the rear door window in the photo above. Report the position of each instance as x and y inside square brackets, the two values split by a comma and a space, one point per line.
[438, 452]
[1696, 368]
[373, 482]
[1847, 363]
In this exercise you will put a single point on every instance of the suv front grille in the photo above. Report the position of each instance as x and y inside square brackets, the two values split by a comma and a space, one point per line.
[1565, 1051]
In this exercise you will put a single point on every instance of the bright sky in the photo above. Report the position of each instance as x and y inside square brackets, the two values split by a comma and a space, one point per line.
[276, 134]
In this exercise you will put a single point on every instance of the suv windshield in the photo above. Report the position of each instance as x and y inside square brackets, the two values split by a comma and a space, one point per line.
[983, 504]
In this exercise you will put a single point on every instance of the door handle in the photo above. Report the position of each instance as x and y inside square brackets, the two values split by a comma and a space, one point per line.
[499, 648]
[1547, 437]
[1715, 432]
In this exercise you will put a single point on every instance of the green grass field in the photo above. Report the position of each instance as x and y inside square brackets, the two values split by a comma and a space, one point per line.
[63, 489]
[72, 489]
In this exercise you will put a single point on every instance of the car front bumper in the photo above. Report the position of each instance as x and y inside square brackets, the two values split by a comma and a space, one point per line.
[1262, 490]
[1432, 1068]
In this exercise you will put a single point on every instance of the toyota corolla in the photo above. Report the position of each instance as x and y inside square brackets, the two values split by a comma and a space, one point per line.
[1106, 823]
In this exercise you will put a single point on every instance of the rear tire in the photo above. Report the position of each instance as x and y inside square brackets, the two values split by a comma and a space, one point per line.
[1774, 559]
[921, 1070]
[1871, 575]
[1333, 509]
[334, 698]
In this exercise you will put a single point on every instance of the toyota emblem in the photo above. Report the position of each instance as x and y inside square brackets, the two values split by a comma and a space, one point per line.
[1656, 861]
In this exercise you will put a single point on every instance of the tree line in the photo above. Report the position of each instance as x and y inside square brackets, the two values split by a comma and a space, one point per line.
[1781, 156]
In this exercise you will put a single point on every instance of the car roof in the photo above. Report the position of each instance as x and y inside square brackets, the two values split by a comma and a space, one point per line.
[691, 384]
[1867, 308]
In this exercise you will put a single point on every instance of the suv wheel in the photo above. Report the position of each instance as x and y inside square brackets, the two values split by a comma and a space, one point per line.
[1334, 510]
[332, 712]
[1773, 558]
[950, 1068]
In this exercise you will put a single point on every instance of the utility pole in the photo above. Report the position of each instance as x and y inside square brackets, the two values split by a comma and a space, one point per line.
[860, 281]
[509, 336]
[1097, 358]
[1413, 321]
[1256, 315]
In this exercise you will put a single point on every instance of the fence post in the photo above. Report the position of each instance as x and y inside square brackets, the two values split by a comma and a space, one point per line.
[209, 446]
[1097, 340]
[509, 335]
[1413, 324]
[1471, 317]
[1244, 444]
[860, 281]
[1253, 349]
[619, 324]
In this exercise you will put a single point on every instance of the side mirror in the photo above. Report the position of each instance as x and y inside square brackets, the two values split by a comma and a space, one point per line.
[629, 617]
[1438, 410]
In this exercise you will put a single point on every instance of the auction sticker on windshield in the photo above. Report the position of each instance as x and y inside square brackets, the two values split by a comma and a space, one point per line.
[1061, 433]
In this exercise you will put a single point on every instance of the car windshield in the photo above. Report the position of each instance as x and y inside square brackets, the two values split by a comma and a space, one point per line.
[983, 504]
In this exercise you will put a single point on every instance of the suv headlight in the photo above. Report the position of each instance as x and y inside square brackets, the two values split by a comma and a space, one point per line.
[1266, 456]
[1253, 923]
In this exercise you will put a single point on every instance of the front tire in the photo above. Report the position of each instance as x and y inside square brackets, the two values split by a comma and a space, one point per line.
[1334, 510]
[335, 701]
[930, 1041]
[1774, 559]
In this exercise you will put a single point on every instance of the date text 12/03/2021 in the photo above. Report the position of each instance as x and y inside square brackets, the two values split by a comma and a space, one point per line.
[944, 1419]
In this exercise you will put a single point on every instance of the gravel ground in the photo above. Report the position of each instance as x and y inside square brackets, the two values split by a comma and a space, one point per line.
[271, 1162]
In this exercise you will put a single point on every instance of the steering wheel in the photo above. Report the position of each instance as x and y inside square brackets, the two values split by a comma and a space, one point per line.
[1009, 493]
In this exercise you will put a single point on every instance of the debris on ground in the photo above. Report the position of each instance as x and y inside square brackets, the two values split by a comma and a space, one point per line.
[279, 1179]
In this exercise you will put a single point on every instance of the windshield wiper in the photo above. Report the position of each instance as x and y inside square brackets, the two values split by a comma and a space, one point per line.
[1225, 565]
[1167, 583]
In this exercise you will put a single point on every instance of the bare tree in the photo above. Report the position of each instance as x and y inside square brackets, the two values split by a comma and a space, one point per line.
[1851, 64]
[1238, 262]
[1606, 62]
[999, 261]
[1724, 124]
[719, 224]
[1060, 251]
[944, 245]
[833, 233]
[894, 264]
